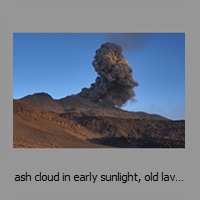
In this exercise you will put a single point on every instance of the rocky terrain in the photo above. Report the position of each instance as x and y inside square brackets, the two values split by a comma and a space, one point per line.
[39, 121]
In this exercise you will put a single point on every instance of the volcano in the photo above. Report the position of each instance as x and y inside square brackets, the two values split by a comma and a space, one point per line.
[39, 121]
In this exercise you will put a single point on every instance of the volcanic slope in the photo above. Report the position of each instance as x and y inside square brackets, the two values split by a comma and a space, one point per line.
[37, 128]
[82, 123]
[77, 104]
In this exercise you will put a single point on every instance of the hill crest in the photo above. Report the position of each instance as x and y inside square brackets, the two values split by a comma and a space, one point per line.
[77, 104]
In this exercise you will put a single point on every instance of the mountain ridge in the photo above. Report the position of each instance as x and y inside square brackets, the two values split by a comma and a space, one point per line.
[75, 103]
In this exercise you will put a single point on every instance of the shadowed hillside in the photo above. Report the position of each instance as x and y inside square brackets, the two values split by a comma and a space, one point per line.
[76, 122]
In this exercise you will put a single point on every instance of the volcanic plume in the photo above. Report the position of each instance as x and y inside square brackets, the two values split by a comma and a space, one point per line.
[114, 83]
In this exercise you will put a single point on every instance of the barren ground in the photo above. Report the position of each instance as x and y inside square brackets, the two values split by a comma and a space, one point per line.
[77, 123]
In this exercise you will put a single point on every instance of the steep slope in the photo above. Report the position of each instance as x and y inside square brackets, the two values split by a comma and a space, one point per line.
[38, 128]
[43, 101]
[35, 128]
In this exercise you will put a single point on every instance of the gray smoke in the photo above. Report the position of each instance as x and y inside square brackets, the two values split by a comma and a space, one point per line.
[129, 41]
[115, 84]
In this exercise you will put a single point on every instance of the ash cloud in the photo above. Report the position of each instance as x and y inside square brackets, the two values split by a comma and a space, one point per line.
[114, 84]
[130, 41]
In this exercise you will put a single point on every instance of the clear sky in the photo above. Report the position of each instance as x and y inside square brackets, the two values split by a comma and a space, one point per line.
[60, 64]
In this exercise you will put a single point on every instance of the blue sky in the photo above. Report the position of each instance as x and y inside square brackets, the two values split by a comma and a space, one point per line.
[60, 64]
